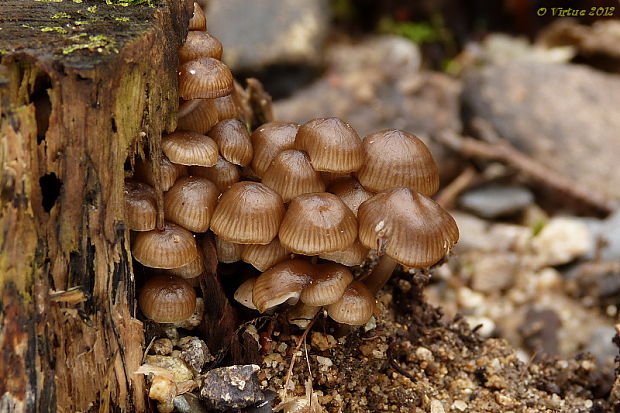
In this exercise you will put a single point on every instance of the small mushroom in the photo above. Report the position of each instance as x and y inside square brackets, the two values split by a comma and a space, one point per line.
[263, 257]
[190, 148]
[409, 227]
[140, 206]
[327, 284]
[243, 294]
[355, 307]
[199, 44]
[198, 115]
[233, 139]
[317, 223]
[189, 271]
[223, 174]
[291, 174]
[198, 21]
[354, 254]
[204, 78]
[191, 202]
[350, 191]
[169, 172]
[270, 139]
[398, 158]
[226, 107]
[167, 299]
[171, 247]
[282, 282]
[248, 213]
[333, 145]
[227, 252]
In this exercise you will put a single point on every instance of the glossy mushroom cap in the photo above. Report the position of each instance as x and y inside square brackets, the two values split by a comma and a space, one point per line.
[223, 173]
[243, 294]
[333, 145]
[282, 282]
[171, 247]
[413, 229]
[198, 115]
[191, 202]
[327, 284]
[248, 213]
[355, 307]
[263, 257]
[198, 20]
[140, 206]
[317, 223]
[189, 271]
[167, 299]
[291, 174]
[350, 191]
[190, 148]
[397, 158]
[204, 78]
[233, 139]
[226, 107]
[169, 171]
[270, 139]
[199, 44]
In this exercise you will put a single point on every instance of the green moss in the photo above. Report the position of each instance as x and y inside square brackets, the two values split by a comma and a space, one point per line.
[56, 29]
[98, 43]
[61, 15]
[421, 32]
[92, 9]
[126, 3]
[121, 19]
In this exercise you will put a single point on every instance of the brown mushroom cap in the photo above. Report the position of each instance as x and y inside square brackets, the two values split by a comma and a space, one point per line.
[327, 284]
[169, 171]
[191, 202]
[243, 294]
[190, 148]
[223, 173]
[355, 307]
[140, 206]
[233, 139]
[413, 229]
[291, 174]
[354, 254]
[198, 20]
[317, 223]
[198, 115]
[228, 252]
[167, 299]
[269, 140]
[282, 282]
[333, 145]
[226, 107]
[301, 314]
[263, 257]
[350, 191]
[189, 271]
[248, 213]
[204, 78]
[171, 247]
[199, 44]
[398, 158]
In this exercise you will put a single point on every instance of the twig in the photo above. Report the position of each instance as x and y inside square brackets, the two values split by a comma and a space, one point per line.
[394, 364]
[448, 195]
[502, 151]
[301, 340]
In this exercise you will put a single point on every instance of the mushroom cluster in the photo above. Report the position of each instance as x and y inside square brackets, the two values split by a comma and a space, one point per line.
[300, 203]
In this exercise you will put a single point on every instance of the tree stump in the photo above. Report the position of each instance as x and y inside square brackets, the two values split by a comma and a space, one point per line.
[84, 87]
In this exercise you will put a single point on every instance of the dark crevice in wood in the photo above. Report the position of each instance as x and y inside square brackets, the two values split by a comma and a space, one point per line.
[50, 190]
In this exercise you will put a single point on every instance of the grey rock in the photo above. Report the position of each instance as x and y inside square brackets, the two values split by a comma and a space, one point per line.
[260, 33]
[188, 403]
[233, 387]
[601, 346]
[494, 201]
[377, 85]
[608, 231]
[565, 116]
[194, 352]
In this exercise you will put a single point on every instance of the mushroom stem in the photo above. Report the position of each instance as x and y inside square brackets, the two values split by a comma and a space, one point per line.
[379, 275]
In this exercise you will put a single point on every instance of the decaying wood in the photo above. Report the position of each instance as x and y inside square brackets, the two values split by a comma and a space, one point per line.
[84, 88]
[496, 148]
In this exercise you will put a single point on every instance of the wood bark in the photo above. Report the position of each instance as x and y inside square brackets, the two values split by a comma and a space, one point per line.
[84, 87]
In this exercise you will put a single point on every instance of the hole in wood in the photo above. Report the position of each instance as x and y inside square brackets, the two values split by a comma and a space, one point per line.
[50, 190]
[42, 105]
